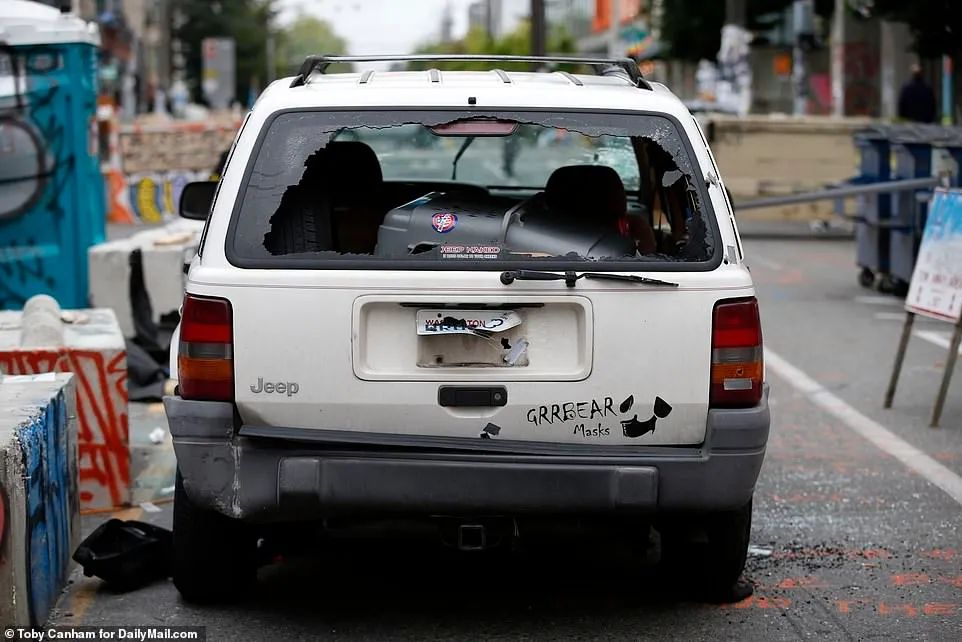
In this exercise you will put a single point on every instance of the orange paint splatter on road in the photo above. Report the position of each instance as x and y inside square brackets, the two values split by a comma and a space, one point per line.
[845, 606]
[905, 609]
[910, 579]
[801, 582]
[953, 581]
[761, 602]
[940, 608]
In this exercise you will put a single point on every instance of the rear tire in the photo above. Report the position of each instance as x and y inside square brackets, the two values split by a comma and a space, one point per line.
[214, 555]
[716, 560]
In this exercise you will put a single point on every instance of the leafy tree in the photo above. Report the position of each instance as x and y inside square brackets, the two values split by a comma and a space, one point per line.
[305, 36]
[248, 22]
[691, 29]
[936, 24]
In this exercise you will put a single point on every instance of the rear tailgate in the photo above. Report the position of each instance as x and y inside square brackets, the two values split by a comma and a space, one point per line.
[597, 364]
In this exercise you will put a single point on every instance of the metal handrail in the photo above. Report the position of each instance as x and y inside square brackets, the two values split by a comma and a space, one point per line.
[321, 63]
[884, 187]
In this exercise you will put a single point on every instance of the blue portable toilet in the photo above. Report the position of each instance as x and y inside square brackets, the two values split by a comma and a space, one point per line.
[52, 205]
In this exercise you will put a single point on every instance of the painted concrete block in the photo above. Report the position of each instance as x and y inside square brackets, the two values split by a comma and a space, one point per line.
[40, 520]
[94, 350]
[163, 252]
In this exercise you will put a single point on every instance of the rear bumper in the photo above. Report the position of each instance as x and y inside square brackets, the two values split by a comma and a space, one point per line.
[304, 474]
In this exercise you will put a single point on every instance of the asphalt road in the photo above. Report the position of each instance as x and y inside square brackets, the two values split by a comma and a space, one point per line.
[852, 539]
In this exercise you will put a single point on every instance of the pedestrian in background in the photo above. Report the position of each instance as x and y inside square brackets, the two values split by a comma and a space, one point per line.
[917, 100]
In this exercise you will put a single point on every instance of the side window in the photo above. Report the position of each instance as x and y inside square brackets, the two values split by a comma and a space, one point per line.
[220, 181]
[725, 193]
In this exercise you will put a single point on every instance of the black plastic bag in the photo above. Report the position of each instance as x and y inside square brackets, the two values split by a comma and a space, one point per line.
[126, 554]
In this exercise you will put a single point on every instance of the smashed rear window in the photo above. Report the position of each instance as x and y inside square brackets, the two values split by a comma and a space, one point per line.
[472, 190]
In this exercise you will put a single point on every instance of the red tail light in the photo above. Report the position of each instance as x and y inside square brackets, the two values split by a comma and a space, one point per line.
[736, 354]
[205, 358]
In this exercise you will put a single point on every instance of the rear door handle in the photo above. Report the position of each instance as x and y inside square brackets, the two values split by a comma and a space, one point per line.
[473, 396]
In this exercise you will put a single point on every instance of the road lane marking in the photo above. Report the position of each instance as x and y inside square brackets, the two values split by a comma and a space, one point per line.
[878, 300]
[890, 316]
[871, 430]
[936, 338]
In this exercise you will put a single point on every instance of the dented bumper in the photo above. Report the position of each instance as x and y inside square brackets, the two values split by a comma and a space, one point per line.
[279, 474]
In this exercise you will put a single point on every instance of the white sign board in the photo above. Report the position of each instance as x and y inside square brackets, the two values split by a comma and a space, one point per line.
[936, 288]
[218, 71]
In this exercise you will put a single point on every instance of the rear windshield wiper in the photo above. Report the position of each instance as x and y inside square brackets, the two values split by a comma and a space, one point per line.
[570, 278]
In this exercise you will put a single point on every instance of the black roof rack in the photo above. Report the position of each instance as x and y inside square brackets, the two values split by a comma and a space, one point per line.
[607, 66]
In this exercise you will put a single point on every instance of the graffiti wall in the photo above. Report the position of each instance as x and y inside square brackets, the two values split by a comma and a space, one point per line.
[38, 495]
[103, 455]
[151, 165]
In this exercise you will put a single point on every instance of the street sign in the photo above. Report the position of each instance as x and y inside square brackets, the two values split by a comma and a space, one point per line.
[936, 288]
[218, 72]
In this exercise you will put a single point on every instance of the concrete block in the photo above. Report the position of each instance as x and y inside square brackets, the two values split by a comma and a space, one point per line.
[40, 518]
[770, 155]
[94, 350]
[164, 250]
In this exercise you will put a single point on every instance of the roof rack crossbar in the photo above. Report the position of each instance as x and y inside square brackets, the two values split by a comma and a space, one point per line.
[626, 65]
[571, 78]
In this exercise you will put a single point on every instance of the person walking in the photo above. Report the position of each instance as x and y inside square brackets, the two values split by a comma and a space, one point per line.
[917, 100]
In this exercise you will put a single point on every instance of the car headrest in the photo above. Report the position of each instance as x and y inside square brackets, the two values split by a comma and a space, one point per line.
[346, 167]
[590, 191]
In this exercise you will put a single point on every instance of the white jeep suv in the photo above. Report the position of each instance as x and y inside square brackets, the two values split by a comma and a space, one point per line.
[473, 298]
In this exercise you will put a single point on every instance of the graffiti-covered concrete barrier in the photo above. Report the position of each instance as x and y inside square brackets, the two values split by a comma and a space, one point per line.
[40, 519]
[143, 276]
[92, 348]
[150, 162]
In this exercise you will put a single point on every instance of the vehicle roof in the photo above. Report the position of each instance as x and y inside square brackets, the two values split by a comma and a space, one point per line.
[491, 89]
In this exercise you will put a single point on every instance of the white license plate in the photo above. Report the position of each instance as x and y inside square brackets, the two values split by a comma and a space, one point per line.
[477, 322]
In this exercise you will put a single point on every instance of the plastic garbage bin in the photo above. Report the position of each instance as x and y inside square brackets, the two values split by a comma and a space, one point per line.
[874, 210]
[51, 191]
[912, 149]
[947, 156]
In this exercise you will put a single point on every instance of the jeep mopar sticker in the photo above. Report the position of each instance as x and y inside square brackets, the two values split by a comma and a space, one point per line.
[599, 417]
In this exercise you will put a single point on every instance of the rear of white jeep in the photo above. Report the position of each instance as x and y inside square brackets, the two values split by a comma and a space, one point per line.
[468, 313]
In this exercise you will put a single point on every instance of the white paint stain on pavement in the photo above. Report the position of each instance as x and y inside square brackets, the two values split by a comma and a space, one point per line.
[868, 428]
